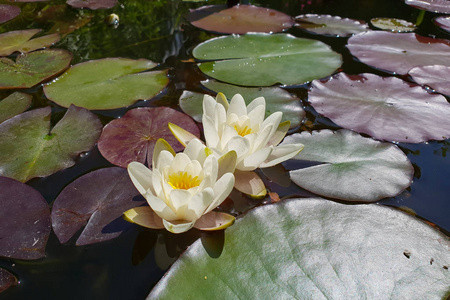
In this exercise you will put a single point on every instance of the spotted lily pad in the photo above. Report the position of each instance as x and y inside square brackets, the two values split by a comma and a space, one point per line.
[330, 25]
[92, 4]
[387, 108]
[32, 68]
[437, 6]
[443, 22]
[97, 200]
[277, 99]
[31, 149]
[316, 249]
[7, 280]
[399, 53]
[24, 221]
[8, 12]
[392, 24]
[133, 137]
[436, 77]
[14, 104]
[107, 83]
[266, 59]
[239, 19]
[20, 41]
[353, 168]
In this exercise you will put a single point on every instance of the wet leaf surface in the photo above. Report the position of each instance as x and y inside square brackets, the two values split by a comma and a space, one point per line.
[24, 221]
[7, 280]
[8, 12]
[438, 6]
[31, 149]
[133, 137]
[97, 200]
[352, 167]
[386, 108]
[443, 23]
[436, 77]
[392, 24]
[309, 253]
[14, 104]
[330, 25]
[92, 4]
[20, 40]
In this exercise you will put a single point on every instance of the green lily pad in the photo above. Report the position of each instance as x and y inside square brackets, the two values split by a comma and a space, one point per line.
[266, 59]
[392, 24]
[14, 104]
[20, 40]
[277, 99]
[30, 149]
[32, 68]
[330, 25]
[107, 83]
[316, 249]
[354, 168]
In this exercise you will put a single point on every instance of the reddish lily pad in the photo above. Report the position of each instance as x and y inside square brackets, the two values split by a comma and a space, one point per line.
[92, 4]
[437, 6]
[393, 25]
[133, 137]
[443, 23]
[31, 149]
[239, 19]
[436, 77]
[8, 12]
[330, 25]
[14, 104]
[386, 108]
[32, 68]
[399, 53]
[20, 41]
[107, 83]
[24, 221]
[97, 200]
[7, 280]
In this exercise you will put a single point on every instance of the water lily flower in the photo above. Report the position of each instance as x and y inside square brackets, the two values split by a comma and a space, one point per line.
[182, 189]
[244, 129]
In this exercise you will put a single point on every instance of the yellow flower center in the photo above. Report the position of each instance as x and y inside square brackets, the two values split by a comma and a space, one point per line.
[182, 180]
[243, 131]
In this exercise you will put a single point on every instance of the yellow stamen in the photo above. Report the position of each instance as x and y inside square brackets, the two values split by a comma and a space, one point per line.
[182, 180]
[243, 131]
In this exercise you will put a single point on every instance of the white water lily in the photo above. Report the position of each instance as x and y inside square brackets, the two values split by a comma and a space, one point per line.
[182, 189]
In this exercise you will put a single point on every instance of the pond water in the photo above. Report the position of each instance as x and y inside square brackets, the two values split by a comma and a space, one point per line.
[129, 266]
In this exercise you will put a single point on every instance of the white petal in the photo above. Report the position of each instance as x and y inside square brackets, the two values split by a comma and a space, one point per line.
[179, 199]
[198, 204]
[279, 134]
[195, 150]
[260, 101]
[157, 184]
[222, 190]
[221, 99]
[160, 207]
[282, 153]
[141, 176]
[209, 104]
[226, 163]
[160, 146]
[240, 145]
[253, 161]
[262, 138]
[210, 132]
[179, 163]
[273, 119]
[210, 170]
[227, 134]
[164, 158]
[182, 135]
[178, 227]
[237, 106]
[257, 116]
[220, 117]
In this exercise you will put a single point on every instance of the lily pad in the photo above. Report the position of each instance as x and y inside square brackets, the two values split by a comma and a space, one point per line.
[31, 149]
[277, 99]
[436, 77]
[386, 108]
[24, 221]
[354, 168]
[392, 24]
[107, 83]
[265, 59]
[20, 41]
[239, 19]
[437, 6]
[133, 137]
[309, 253]
[32, 68]
[7, 280]
[92, 4]
[330, 25]
[97, 200]
[443, 23]
[14, 104]
[399, 53]
[8, 12]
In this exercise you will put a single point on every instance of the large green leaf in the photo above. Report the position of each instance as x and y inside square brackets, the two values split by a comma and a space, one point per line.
[30, 149]
[14, 104]
[316, 249]
[353, 168]
[19, 40]
[266, 59]
[107, 83]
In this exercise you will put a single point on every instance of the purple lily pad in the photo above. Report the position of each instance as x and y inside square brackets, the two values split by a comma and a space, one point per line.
[32, 68]
[7, 279]
[330, 25]
[133, 137]
[437, 6]
[399, 53]
[387, 108]
[24, 221]
[443, 23]
[239, 19]
[92, 4]
[436, 77]
[8, 12]
[97, 200]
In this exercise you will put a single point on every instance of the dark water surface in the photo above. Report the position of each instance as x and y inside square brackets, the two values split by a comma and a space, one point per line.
[130, 265]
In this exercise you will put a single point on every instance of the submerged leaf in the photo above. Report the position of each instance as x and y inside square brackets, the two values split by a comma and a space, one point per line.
[20, 41]
[6, 280]
[392, 24]
[14, 104]
[92, 4]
